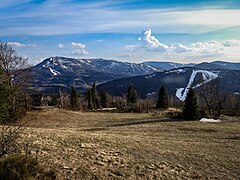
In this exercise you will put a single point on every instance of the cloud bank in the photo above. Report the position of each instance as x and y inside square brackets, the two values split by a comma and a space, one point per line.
[79, 49]
[16, 44]
[151, 46]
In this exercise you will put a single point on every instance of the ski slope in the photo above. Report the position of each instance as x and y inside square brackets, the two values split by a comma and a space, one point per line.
[208, 76]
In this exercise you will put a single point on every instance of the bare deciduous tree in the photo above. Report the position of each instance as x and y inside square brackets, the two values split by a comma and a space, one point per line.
[210, 95]
[14, 77]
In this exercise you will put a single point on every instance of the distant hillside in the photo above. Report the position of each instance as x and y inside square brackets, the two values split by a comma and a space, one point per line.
[167, 65]
[57, 73]
[218, 65]
[61, 73]
[177, 81]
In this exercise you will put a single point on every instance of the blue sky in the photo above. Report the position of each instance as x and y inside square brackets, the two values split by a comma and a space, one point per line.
[125, 30]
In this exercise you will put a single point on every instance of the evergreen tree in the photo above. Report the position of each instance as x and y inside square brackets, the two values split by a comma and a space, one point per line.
[131, 95]
[74, 99]
[162, 101]
[190, 110]
[103, 99]
[95, 99]
[53, 101]
[89, 99]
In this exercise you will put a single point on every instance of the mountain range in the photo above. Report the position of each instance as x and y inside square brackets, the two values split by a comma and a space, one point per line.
[56, 73]
[177, 81]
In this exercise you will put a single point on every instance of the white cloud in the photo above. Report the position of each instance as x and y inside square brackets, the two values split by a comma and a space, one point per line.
[198, 51]
[179, 48]
[210, 48]
[16, 44]
[232, 42]
[79, 49]
[78, 45]
[150, 42]
[60, 46]
[79, 52]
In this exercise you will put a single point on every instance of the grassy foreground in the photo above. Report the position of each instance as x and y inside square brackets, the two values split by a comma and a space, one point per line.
[133, 146]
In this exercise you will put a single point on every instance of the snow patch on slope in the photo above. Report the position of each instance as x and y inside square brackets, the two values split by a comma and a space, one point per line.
[176, 71]
[54, 72]
[150, 94]
[150, 76]
[209, 120]
[208, 76]
[50, 65]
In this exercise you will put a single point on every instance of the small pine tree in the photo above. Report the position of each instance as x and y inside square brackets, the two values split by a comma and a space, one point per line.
[74, 99]
[131, 95]
[103, 99]
[162, 101]
[89, 99]
[190, 110]
[53, 101]
[95, 99]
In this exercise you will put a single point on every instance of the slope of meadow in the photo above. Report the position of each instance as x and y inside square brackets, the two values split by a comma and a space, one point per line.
[133, 146]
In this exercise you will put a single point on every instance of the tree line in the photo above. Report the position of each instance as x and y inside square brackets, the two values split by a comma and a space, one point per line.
[15, 101]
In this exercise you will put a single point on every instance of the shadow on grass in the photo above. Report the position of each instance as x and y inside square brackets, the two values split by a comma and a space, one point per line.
[191, 129]
[95, 129]
[233, 137]
[149, 121]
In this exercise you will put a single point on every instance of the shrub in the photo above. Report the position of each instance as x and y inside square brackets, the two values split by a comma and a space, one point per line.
[8, 139]
[14, 165]
[19, 166]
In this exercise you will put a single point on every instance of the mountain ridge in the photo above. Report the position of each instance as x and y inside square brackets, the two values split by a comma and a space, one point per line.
[56, 73]
[177, 81]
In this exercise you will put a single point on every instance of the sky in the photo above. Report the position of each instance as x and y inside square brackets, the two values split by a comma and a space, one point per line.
[189, 31]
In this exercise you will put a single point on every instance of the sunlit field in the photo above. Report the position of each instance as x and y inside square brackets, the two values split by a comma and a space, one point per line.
[133, 146]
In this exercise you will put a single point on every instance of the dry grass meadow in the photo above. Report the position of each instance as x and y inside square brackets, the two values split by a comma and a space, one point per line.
[133, 146]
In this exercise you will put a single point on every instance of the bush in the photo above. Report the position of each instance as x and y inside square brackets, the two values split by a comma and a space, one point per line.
[8, 139]
[16, 167]
[175, 114]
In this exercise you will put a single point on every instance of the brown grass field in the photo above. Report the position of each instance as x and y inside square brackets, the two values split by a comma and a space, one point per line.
[133, 146]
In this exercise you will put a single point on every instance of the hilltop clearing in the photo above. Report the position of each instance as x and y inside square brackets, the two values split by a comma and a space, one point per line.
[133, 146]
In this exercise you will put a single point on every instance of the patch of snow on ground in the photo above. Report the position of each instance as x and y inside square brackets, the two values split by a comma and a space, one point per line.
[177, 71]
[150, 76]
[150, 94]
[113, 64]
[150, 67]
[55, 73]
[207, 77]
[209, 120]
[179, 94]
